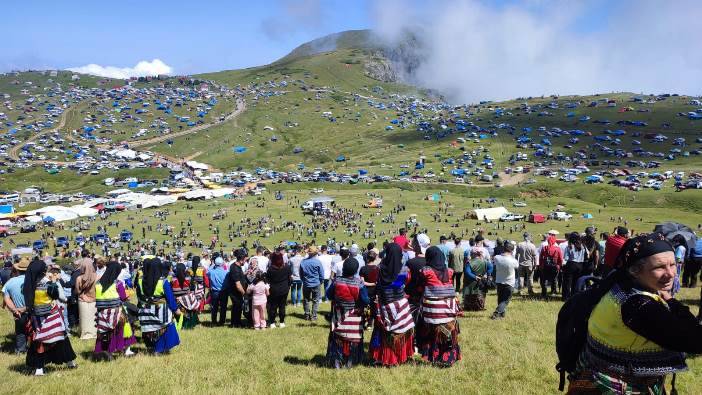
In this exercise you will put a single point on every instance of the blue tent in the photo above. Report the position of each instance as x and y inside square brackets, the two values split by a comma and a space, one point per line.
[240, 149]
[340, 158]
[48, 219]
[362, 172]
[132, 184]
[587, 216]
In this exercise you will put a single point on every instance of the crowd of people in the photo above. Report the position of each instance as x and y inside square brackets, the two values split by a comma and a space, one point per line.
[409, 294]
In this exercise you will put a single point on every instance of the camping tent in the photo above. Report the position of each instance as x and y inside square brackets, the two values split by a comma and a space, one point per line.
[491, 214]
[587, 216]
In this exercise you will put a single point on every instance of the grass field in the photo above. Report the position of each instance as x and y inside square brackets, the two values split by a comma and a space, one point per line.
[515, 355]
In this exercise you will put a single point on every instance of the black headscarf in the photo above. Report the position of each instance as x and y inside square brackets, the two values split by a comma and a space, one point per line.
[349, 268]
[35, 272]
[435, 260]
[164, 266]
[108, 278]
[151, 275]
[391, 264]
[195, 264]
[642, 246]
[180, 274]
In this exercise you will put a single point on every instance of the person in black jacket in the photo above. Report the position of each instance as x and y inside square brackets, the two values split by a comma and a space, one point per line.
[279, 277]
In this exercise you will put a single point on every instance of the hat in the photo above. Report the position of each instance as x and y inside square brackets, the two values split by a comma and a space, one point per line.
[442, 238]
[219, 261]
[354, 249]
[23, 264]
[313, 249]
[554, 232]
[424, 242]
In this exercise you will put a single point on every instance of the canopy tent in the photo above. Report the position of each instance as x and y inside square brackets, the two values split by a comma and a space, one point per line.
[491, 214]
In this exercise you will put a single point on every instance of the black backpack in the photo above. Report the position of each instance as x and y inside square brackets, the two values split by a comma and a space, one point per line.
[571, 327]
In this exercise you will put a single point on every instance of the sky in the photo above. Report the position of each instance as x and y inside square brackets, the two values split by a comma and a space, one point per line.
[470, 49]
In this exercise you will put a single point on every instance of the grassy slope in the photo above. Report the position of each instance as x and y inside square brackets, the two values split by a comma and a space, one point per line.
[360, 132]
[515, 355]
[69, 182]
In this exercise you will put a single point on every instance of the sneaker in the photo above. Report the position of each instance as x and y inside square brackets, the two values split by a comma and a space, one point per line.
[39, 372]
[273, 325]
[71, 365]
[128, 352]
[282, 325]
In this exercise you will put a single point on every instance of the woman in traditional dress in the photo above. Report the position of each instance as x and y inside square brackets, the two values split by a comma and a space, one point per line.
[187, 301]
[48, 341]
[476, 272]
[114, 332]
[85, 289]
[200, 282]
[349, 297]
[392, 341]
[637, 333]
[157, 305]
[437, 330]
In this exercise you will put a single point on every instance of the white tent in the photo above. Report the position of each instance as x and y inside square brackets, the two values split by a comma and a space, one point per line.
[222, 192]
[60, 215]
[83, 211]
[198, 194]
[5, 222]
[117, 192]
[33, 219]
[489, 213]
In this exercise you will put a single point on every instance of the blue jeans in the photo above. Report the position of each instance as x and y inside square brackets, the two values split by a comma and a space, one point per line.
[326, 284]
[296, 292]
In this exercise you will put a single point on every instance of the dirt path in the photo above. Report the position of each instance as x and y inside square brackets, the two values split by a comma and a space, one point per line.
[240, 107]
[14, 151]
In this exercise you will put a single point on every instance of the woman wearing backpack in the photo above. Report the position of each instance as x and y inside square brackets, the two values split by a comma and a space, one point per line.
[637, 332]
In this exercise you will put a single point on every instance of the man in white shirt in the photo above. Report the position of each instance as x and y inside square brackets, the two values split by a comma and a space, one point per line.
[505, 267]
[338, 261]
[261, 259]
[326, 260]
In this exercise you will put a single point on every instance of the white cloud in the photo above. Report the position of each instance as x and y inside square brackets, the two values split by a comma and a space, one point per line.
[473, 50]
[142, 69]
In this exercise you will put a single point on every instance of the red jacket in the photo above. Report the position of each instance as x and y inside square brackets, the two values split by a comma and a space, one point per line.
[613, 245]
[553, 251]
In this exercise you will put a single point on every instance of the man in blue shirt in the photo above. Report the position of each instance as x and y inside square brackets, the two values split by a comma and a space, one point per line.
[693, 265]
[445, 249]
[216, 275]
[312, 273]
[14, 301]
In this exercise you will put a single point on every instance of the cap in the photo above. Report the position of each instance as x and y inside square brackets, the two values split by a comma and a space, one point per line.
[313, 249]
[554, 232]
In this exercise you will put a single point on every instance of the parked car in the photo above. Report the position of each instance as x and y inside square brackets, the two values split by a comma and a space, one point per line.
[38, 245]
[100, 237]
[560, 215]
[125, 236]
[511, 217]
[62, 241]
